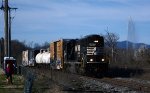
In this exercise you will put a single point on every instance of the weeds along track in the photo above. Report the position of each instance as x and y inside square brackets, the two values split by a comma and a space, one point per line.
[74, 82]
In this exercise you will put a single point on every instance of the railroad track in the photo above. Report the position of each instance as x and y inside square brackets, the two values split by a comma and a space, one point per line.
[132, 84]
[84, 83]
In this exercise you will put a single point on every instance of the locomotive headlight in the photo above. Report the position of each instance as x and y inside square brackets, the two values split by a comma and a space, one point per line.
[103, 59]
[91, 59]
[96, 41]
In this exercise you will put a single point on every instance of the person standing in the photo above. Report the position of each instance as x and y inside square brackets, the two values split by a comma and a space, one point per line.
[9, 72]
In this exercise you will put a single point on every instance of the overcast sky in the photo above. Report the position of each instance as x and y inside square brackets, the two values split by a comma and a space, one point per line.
[49, 20]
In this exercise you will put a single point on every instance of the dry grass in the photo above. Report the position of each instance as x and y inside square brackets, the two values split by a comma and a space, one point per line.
[17, 87]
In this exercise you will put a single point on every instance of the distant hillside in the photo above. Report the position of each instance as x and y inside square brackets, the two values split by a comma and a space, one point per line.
[123, 44]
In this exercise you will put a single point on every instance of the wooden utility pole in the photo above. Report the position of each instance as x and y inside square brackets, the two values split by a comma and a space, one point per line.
[1, 50]
[5, 8]
[7, 29]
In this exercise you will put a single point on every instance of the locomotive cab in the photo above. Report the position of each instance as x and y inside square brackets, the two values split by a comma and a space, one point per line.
[90, 54]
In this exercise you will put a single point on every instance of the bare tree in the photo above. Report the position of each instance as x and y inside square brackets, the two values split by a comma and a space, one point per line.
[17, 48]
[45, 45]
[143, 56]
[111, 43]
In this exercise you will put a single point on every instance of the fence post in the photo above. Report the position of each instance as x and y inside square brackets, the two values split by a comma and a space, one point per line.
[29, 78]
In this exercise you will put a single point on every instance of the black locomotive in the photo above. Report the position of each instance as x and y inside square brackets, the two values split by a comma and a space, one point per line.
[85, 55]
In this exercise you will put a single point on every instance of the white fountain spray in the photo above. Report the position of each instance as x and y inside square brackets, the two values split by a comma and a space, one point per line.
[131, 40]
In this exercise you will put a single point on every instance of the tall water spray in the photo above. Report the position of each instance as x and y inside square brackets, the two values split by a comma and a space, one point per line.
[131, 40]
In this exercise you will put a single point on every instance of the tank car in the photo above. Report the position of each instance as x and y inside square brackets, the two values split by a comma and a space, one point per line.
[35, 57]
[43, 57]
